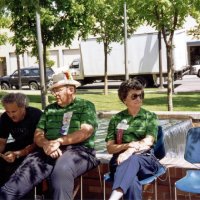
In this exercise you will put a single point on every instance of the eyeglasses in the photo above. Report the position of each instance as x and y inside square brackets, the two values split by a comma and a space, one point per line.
[58, 91]
[135, 96]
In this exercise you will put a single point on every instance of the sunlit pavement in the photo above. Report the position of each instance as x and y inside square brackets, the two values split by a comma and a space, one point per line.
[189, 83]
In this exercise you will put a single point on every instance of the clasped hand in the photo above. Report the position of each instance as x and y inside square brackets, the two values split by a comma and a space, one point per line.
[135, 145]
[133, 148]
[9, 156]
[123, 156]
[51, 148]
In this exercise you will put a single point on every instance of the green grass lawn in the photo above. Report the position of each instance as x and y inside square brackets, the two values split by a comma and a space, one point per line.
[153, 101]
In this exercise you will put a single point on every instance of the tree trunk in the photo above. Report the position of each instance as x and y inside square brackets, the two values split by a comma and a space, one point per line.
[106, 69]
[160, 59]
[19, 72]
[170, 76]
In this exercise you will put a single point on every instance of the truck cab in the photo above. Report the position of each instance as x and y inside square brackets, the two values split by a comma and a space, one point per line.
[75, 68]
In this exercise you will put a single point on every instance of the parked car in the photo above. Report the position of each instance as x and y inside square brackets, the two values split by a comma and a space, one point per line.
[196, 70]
[30, 76]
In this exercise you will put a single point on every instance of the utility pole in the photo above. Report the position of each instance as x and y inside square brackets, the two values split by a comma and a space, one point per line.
[41, 62]
[125, 43]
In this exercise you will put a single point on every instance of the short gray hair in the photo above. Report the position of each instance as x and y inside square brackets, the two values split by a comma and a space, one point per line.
[20, 99]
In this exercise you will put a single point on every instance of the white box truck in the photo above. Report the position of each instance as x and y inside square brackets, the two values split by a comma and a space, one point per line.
[142, 56]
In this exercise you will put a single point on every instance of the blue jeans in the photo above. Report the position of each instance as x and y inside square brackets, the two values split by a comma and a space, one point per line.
[75, 161]
[129, 172]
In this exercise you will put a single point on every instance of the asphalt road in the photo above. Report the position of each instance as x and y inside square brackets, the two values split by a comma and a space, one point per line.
[187, 84]
[100, 85]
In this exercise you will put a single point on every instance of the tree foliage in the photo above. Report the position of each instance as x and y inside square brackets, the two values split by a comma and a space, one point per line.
[61, 21]
[196, 14]
[4, 23]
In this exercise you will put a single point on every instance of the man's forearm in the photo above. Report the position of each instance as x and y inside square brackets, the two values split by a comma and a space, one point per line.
[78, 136]
[116, 148]
[2, 145]
[24, 152]
[39, 138]
[1, 149]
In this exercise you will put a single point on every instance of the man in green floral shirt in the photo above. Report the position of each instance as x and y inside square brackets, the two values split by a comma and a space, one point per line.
[65, 140]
